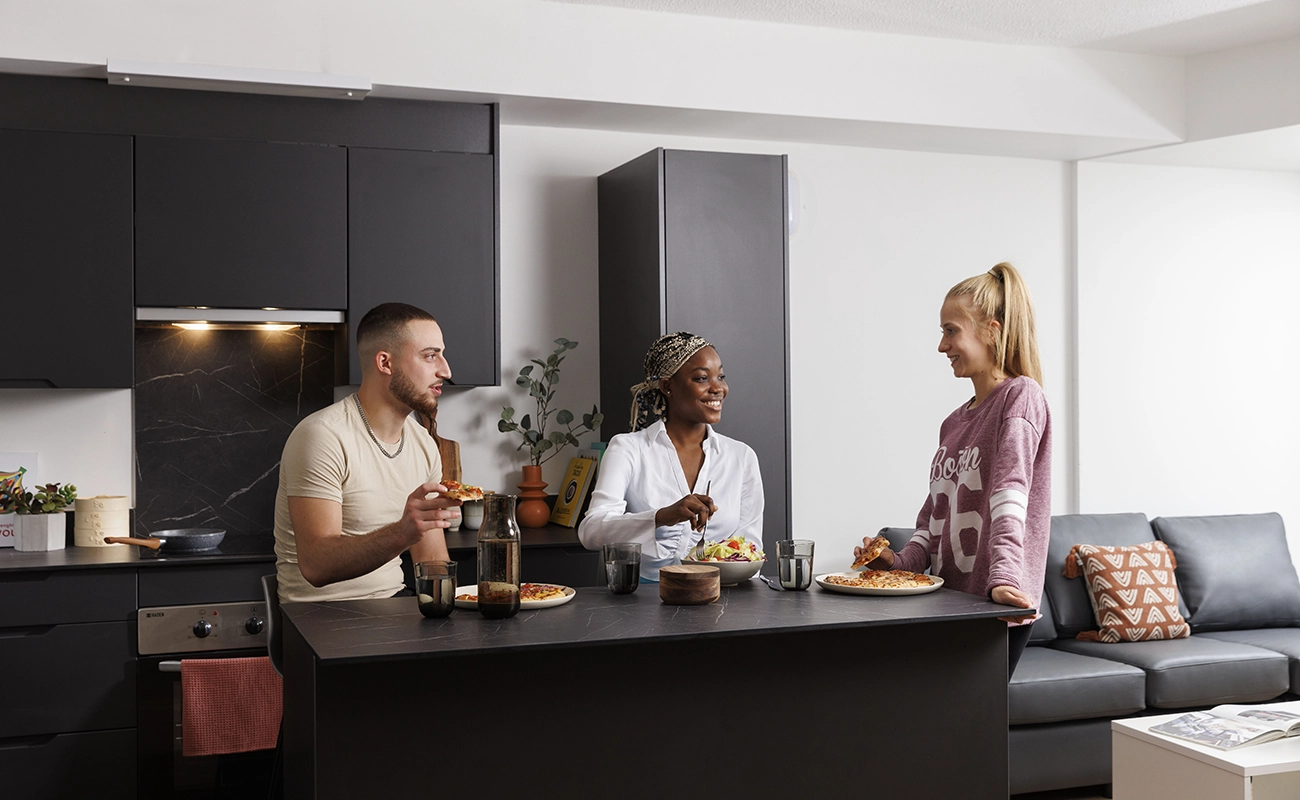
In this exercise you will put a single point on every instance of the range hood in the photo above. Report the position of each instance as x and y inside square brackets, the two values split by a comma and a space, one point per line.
[201, 317]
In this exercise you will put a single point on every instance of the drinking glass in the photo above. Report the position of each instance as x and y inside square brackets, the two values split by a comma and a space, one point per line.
[435, 587]
[622, 567]
[794, 561]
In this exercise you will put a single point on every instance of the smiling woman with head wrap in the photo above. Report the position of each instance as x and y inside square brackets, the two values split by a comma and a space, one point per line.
[660, 484]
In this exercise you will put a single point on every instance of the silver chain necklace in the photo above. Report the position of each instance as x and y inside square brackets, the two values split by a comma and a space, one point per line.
[400, 442]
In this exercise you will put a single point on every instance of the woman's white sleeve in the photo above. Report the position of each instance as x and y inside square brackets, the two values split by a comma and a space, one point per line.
[607, 518]
[752, 500]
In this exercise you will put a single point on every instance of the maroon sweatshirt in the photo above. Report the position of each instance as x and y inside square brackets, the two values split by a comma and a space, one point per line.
[987, 519]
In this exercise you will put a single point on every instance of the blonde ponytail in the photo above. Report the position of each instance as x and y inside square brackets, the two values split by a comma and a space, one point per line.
[1001, 294]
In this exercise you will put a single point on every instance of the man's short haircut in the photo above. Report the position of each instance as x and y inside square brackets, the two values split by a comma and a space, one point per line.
[384, 327]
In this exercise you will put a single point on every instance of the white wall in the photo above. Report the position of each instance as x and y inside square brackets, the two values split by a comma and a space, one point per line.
[82, 436]
[883, 235]
[1188, 280]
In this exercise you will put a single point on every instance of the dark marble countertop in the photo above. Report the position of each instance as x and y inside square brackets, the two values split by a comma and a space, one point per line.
[233, 549]
[393, 629]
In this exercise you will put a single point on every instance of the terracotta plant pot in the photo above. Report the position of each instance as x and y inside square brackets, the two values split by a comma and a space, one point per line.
[532, 510]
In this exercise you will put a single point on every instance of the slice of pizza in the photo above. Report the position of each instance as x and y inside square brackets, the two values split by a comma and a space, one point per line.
[461, 491]
[539, 591]
[871, 552]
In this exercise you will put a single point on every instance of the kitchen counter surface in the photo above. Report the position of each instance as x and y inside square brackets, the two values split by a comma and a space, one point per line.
[352, 631]
[232, 550]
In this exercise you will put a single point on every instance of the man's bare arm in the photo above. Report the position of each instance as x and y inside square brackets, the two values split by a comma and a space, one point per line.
[326, 556]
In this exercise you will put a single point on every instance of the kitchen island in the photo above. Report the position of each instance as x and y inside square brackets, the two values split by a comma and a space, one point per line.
[762, 694]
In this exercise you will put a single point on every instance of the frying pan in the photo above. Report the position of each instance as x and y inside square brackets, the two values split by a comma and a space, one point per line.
[180, 540]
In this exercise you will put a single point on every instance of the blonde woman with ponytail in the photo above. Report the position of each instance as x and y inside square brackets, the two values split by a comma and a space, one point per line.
[985, 523]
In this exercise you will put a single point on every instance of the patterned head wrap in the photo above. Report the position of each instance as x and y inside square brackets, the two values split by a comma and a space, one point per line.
[664, 358]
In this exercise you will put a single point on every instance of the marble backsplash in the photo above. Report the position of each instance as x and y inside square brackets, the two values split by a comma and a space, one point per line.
[212, 412]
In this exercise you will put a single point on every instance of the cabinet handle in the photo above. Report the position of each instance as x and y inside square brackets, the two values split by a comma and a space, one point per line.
[26, 742]
[31, 630]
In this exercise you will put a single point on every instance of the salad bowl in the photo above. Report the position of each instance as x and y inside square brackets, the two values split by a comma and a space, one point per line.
[737, 559]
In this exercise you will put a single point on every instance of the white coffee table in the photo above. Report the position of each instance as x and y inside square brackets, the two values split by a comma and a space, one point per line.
[1148, 766]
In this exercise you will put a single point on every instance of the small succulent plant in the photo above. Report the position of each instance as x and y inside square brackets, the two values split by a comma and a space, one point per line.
[46, 499]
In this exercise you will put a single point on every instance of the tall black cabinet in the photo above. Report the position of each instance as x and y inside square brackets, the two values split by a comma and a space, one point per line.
[697, 241]
[65, 256]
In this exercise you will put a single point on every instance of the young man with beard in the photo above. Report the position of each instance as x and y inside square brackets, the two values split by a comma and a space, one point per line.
[359, 480]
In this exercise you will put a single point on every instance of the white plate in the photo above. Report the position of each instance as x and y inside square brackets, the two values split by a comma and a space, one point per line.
[529, 604]
[835, 587]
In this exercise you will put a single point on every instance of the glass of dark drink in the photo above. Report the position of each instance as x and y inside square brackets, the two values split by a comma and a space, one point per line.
[622, 567]
[435, 587]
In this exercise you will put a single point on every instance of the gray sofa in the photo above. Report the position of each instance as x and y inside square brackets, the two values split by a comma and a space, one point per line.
[1237, 588]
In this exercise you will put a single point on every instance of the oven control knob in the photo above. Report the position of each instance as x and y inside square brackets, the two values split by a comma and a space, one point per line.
[254, 625]
[202, 628]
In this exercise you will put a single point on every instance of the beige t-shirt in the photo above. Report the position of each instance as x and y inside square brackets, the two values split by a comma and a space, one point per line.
[331, 456]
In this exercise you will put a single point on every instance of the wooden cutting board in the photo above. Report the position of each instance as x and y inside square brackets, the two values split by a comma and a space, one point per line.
[689, 584]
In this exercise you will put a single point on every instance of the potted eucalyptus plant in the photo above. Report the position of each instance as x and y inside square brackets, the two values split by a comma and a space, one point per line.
[532, 511]
[41, 523]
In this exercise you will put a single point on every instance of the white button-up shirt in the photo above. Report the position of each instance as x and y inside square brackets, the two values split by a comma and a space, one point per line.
[640, 474]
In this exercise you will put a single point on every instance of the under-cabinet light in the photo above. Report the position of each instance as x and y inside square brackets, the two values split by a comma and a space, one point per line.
[209, 77]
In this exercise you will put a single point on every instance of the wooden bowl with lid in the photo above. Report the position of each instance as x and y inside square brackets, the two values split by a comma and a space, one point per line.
[690, 584]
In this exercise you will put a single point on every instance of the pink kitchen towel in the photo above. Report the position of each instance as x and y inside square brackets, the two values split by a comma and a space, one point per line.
[231, 705]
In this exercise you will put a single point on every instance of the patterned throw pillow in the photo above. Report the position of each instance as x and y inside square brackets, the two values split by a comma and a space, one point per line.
[1133, 592]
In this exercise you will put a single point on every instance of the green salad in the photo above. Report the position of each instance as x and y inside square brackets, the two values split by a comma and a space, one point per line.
[735, 548]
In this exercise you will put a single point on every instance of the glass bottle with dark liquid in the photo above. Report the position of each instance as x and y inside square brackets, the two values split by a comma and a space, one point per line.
[498, 558]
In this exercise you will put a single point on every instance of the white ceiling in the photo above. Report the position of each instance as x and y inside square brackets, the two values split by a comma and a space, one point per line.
[1156, 27]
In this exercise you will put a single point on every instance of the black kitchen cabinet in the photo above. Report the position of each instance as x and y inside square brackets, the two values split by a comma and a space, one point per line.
[65, 252]
[240, 224]
[98, 764]
[697, 241]
[422, 230]
[68, 642]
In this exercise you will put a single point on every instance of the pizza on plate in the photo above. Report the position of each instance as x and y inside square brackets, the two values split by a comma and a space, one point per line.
[883, 579]
[462, 491]
[528, 593]
[539, 591]
[871, 552]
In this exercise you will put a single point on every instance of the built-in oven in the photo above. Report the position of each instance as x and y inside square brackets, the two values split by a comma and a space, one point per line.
[166, 636]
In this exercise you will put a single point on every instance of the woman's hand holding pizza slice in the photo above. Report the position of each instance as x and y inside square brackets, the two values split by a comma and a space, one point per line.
[871, 551]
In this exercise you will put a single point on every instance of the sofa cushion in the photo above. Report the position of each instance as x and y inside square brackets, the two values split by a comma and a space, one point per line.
[1132, 589]
[1071, 608]
[1196, 671]
[898, 537]
[1044, 630]
[1054, 686]
[1235, 572]
[1280, 640]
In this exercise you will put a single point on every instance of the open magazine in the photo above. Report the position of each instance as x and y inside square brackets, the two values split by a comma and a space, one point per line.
[1228, 727]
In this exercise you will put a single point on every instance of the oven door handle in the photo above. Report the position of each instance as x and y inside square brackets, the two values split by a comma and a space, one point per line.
[169, 666]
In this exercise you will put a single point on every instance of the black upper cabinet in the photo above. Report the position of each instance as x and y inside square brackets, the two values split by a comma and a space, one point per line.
[697, 241]
[421, 230]
[65, 254]
[238, 224]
